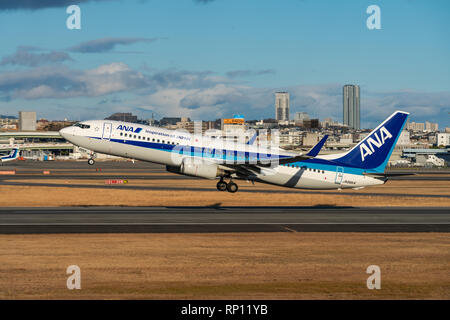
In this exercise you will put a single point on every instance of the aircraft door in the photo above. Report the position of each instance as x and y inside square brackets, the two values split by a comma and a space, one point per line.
[107, 131]
[339, 175]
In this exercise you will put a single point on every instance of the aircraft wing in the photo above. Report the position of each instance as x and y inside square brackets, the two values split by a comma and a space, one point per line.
[252, 171]
[295, 159]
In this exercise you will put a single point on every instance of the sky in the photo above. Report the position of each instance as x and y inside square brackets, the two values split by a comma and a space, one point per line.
[211, 59]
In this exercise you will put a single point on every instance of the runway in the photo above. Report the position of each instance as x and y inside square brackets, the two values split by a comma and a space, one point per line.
[221, 219]
[171, 187]
[67, 169]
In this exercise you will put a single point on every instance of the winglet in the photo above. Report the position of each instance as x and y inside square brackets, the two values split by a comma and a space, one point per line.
[316, 149]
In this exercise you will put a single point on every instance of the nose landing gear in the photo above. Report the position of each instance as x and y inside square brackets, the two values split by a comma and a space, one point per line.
[230, 186]
[91, 160]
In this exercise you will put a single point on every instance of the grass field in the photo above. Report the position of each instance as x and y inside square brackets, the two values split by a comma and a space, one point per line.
[394, 193]
[226, 266]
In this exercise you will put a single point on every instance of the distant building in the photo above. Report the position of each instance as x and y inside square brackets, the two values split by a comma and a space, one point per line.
[197, 127]
[351, 111]
[431, 127]
[169, 121]
[404, 138]
[327, 122]
[346, 138]
[301, 116]
[443, 139]
[8, 122]
[311, 124]
[125, 117]
[282, 106]
[27, 120]
[416, 126]
[234, 127]
[310, 139]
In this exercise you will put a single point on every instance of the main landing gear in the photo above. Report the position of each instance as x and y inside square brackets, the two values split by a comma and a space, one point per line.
[230, 186]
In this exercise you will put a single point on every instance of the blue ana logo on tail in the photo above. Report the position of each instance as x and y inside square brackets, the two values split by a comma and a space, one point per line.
[129, 128]
[367, 148]
[374, 151]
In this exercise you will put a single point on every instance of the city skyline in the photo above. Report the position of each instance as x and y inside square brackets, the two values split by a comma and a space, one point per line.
[167, 63]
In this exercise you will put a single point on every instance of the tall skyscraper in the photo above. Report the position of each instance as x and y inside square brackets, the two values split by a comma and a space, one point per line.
[282, 106]
[351, 106]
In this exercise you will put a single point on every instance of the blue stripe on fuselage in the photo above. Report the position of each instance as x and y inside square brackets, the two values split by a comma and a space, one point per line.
[233, 155]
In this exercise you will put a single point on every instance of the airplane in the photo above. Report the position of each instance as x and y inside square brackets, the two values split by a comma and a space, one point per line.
[13, 155]
[196, 155]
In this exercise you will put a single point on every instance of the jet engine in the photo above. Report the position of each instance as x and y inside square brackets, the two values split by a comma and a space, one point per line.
[199, 168]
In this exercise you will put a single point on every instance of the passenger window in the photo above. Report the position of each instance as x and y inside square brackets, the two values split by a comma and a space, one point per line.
[158, 140]
[153, 139]
[121, 134]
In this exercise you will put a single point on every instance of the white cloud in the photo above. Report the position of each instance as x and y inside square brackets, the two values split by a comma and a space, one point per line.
[206, 95]
[62, 82]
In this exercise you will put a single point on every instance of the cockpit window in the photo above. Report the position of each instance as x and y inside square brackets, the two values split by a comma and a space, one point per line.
[82, 126]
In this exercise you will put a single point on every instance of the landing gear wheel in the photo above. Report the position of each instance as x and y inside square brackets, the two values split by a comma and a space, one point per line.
[221, 185]
[91, 161]
[232, 187]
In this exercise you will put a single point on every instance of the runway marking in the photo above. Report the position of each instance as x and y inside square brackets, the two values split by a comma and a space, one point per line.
[223, 223]
[289, 229]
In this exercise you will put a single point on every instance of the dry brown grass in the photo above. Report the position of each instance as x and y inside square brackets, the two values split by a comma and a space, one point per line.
[226, 266]
[392, 187]
[109, 195]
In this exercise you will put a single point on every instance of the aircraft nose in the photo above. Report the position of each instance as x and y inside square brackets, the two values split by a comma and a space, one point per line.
[66, 132]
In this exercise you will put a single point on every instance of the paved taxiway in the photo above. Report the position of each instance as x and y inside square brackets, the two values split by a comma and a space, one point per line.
[222, 219]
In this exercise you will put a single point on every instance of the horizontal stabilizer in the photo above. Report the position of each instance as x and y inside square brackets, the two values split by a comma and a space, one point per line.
[387, 175]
